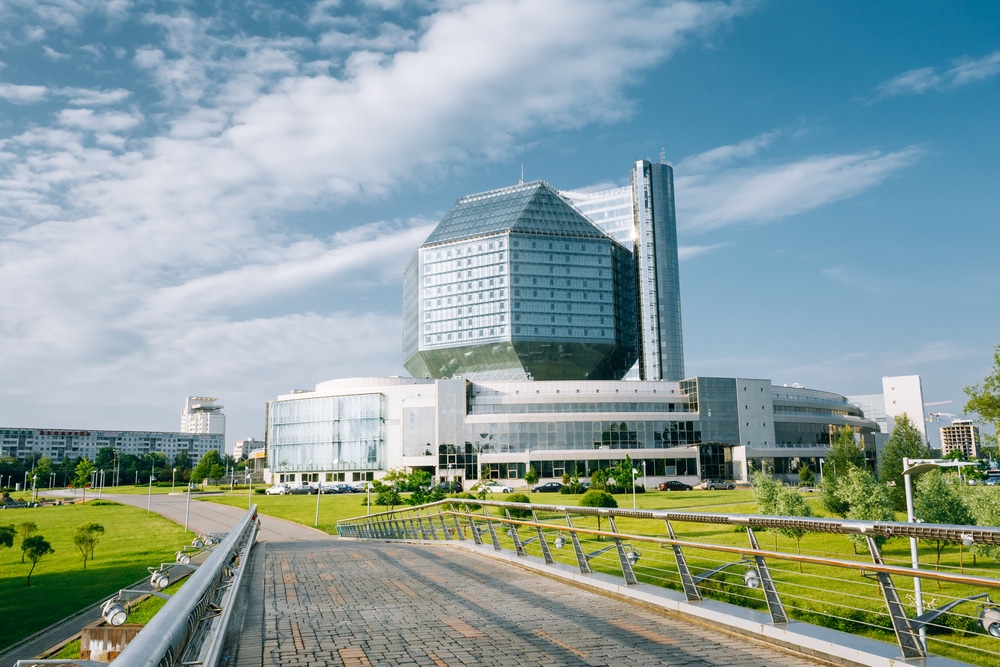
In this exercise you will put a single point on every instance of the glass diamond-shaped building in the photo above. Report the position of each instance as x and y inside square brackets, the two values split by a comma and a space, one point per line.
[517, 284]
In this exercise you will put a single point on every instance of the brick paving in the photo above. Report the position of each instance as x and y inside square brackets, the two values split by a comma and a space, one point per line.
[358, 604]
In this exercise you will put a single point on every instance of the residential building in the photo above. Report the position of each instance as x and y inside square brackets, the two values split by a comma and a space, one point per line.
[961, 436]
[243, 448]
[59, 443]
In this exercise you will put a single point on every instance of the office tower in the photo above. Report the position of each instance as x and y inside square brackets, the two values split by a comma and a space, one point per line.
[517, 284]
[642, 218]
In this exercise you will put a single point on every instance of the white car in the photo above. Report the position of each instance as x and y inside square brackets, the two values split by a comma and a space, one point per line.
[277, 490]
[497, 487]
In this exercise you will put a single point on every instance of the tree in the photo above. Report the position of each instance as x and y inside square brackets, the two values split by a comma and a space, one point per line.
[937, 501]
[182, 460]
[806, 476]
[531, 476]
[81, 477]
[984, 505]
[844, 454]
[623, 474]
[210, 463]
[867, 500]
[86, 538]
[905, 442]
[599, 479]
[386, 492]
[598, 498]
[25, 529]
[43, 470]
[790, 503]
[766, 491]
[984, 398]
[36, 548]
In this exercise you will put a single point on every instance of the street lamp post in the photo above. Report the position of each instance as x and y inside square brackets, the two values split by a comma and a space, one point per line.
[100, 485]
[34, 488]
[634, 471]
[916, 467]
[149, 503]
[187, 509]
[644, 474]
[249, 489]
[173, 479]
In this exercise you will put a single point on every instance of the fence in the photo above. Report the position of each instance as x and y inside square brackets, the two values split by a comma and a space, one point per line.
[719, 557]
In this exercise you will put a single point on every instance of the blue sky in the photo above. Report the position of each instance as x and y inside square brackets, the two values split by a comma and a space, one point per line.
[218, 198]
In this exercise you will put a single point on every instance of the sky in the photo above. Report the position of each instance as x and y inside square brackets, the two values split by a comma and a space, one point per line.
[218, 198]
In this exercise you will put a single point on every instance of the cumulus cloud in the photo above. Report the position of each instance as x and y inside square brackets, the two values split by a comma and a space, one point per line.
[144, 224]
[963, 71]
[16, 94]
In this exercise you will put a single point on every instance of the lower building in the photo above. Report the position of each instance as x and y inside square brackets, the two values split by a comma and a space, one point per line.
[461, 430]
[60, 444]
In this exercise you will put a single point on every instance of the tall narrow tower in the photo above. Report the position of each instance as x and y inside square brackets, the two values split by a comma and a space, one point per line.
[661, 353]
[641, 217]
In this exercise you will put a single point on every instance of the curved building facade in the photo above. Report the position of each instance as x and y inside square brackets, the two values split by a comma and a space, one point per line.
[457, 429]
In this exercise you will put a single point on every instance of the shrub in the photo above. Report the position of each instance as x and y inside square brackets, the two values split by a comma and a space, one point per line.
[519, 498]
[598, 498]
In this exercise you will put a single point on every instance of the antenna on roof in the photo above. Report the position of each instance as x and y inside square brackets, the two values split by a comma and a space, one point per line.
[521, 182]
[663, 155]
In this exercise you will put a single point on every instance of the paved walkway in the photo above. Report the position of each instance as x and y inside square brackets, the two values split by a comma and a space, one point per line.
[355, 603]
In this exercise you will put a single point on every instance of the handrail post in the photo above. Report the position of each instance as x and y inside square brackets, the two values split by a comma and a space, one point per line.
[493, 531]
[774, 606]
[546, 553]
[581, 558]
[909, 641]
[512, 531]
[691, 591]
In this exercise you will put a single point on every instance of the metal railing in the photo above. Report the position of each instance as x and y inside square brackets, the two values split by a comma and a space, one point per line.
[722, 559]
[190, 629]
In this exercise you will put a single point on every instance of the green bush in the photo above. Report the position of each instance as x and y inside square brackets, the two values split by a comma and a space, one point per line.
[519, 498]
[598, 498]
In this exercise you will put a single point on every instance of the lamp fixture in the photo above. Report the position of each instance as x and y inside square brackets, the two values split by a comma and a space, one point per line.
[560, 542]
[114, 611]
[989, 617]
[182, 558]
[159, 579]
[967, 540]
[632, 556]
[751, 578]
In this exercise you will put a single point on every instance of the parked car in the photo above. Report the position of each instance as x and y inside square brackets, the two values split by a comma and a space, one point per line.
[303, 489]
[713, 484]
[363, 487]
[330, 488]
[548, 487]
[674, 485]
[277, 490]
[497, 487]
[347, 488]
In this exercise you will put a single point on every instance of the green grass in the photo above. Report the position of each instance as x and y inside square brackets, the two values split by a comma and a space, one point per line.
[133, 540]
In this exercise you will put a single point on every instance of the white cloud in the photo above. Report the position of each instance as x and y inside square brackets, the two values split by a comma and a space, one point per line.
[127, 260]
[770, 192]
[724, 155]
[963, 71]
[686, 252]
[17, 94]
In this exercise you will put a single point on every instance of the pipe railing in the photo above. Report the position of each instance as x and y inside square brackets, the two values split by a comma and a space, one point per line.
[818, 587]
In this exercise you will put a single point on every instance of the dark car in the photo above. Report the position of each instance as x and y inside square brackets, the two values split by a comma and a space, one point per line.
[347, 488]
[548, 487]
[674, 485]
[302, 489]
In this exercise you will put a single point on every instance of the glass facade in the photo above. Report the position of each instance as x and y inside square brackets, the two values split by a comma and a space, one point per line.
[326, 433]
[516, 284]
[642, 218]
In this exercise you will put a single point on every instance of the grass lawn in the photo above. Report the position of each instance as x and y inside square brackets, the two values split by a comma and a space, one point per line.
[133, 540]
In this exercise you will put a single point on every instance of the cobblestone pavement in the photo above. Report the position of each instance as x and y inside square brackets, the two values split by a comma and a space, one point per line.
[357, 604]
